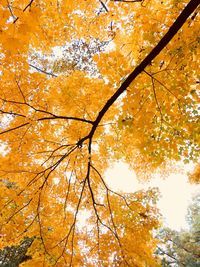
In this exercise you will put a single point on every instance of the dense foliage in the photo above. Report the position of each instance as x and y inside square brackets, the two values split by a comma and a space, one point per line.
[85, 83]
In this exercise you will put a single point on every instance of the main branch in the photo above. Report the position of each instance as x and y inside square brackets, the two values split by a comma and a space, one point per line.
[188, 10]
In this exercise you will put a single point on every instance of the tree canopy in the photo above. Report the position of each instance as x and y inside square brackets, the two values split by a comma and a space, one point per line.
[85, 83]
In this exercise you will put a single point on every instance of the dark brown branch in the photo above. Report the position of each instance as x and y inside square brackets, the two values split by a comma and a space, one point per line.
[152, 76]
[29, 5]
[15, 128]
[72, 226]
[10, 9]
[67, 194]
[156, 99]
[39, 222]
[43, 71]
[53, 152]
[158, 106]
[65, 118]
[188, 10]
[127, 1]
[110, 190]
[87, 178]
[104, 6]
[50, 169]
[27, 227]
[51, 117]
[141, 107]
[12, 113]
[20, 209]
[114, 230]
[21, 92]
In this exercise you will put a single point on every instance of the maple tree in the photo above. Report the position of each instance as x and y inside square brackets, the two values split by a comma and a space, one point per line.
[125, 86]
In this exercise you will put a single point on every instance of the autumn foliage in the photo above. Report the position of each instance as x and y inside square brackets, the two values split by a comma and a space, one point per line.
[83, 84]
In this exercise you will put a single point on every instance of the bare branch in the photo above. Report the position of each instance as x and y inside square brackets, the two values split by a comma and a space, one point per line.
[12, 113]
[72, 226]
[127, 1]
[29, 5]
[152, 76]
[20, 209]
[10, 9]
[21, 92]
[54, 117]
[104, 6]
[43, 71]
[15, 128]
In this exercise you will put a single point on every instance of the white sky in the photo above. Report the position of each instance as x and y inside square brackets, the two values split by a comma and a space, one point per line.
[176, 192]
